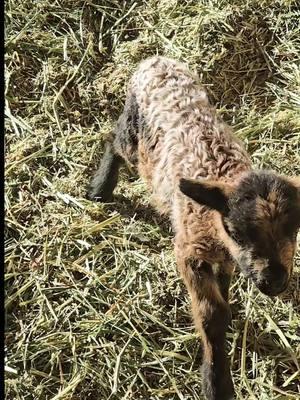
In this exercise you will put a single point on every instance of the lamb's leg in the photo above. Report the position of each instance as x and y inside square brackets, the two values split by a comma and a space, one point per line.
[211, 315]
[106, 177]
[224, 278]
[123, 148]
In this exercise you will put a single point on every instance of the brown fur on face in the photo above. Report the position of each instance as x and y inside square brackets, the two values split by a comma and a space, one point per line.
[264, 217]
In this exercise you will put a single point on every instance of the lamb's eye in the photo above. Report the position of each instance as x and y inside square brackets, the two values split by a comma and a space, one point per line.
[247, 197]
[250, 196]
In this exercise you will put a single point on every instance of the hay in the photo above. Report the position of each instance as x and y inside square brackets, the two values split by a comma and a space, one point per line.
[94, 305]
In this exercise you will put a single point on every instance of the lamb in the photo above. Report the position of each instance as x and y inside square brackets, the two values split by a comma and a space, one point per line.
[224, 213]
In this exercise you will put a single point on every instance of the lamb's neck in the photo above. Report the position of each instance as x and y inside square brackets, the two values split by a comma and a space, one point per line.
[236, 174]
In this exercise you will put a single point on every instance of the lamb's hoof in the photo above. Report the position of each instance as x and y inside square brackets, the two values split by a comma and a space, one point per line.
[99, 197]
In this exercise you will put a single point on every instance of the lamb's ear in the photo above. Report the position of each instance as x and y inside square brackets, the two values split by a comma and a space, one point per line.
[208, 193]
[294, 180]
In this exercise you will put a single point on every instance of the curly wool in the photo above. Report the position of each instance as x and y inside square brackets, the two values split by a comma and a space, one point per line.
[183, 137]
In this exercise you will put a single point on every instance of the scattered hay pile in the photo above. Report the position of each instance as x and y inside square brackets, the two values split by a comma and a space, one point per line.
[95, 309]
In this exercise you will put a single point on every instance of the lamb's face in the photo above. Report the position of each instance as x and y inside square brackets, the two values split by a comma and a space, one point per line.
[261, 218]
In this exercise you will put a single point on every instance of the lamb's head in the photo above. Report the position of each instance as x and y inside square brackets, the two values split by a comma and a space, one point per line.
[260, 218]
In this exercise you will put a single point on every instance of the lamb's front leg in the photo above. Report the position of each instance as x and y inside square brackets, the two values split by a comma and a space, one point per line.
[212, 315]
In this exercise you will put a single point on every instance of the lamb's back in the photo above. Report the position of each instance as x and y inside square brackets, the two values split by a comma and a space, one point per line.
[181, 135]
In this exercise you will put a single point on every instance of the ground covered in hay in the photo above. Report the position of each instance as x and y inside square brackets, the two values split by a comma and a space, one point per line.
[94, 306]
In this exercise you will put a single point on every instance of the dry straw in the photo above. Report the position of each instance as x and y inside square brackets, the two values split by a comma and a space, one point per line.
[94, 306]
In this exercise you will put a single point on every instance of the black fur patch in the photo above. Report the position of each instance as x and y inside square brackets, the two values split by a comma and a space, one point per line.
[217, 323]
[123, 147]
[212, 197]
[106, 177]
[216, 376]
[224, 283]
[273, 280]
[126, 130]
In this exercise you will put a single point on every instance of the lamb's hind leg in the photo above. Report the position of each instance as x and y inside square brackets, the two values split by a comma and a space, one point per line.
[122, 148]
[211, 315]
[106, 177]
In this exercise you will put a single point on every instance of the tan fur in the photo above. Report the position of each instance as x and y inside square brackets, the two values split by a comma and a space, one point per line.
[186, 139]
[294, 180]
[286, 253]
